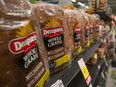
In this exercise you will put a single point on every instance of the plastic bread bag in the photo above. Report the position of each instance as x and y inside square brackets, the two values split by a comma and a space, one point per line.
[15, 8]
[21, 60]
[101, 28]
[102, 49]
[66, 4]
[86, 26]
[92, 29]
[53, 30]
[93, 59]
[97, 26]
[81, 15]
[75, 30]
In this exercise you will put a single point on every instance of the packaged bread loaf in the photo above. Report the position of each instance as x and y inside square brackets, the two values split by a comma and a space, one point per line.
[86, 25]
[90, 24]
[92, 29]
[53, 31]
[82, 16]
[93, 59]
[101, 50]
[66, 4]
[102, 5]
[97, 27]
[21, 60]
[75, 30]
[102, 28]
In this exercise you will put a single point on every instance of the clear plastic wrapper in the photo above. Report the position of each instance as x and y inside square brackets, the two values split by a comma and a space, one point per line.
[97, 27]
[94, 28]
[53, 30]
[66, 4]
[101, 50]
[87, 30]
[21, 60]
[102, 5]
[74, 22]
[102, 28]
[93, 59]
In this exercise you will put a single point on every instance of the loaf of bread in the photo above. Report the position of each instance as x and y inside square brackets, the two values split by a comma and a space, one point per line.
[92, 28]
[93, 59]
[53, 31]
[21, 62]
[75, 30]
[86, 26]
[97, 27]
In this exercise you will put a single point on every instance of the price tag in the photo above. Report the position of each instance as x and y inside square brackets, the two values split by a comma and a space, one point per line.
[79, 50]
[92, 41]
[84, 71]
[58, 83]
[88, 44]
[43, 79]
[62, 60]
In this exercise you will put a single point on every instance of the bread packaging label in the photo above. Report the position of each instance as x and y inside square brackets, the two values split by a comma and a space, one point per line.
[75, 30]
[53, 32]
[53, 38]
[97, 32]
[77, 37]
[87, 35]
[92, 33]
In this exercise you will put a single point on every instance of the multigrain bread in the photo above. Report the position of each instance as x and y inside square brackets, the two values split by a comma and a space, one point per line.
[53, 30]
[74, 24]
[21, 62]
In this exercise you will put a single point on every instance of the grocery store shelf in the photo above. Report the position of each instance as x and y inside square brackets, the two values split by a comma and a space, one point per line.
[101, 78]
[94, 70]
[68, 74]
[102, 75]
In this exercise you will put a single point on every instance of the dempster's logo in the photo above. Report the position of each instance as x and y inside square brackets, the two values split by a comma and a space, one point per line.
[51, 32]
[102, 4]
[91, 26]
[87, 27]
[97, 26]
[23, 44]
[77, 30]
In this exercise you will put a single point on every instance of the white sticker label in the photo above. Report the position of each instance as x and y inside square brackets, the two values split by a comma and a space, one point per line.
[58, 83]
[84, 71]
[81, 63]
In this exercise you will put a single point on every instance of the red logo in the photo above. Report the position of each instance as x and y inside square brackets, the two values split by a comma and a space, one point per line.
[87, 28]
[77, 30]
[101, 4]
[51, 32]
[91, 26]
[23, 44]
[97, 26]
